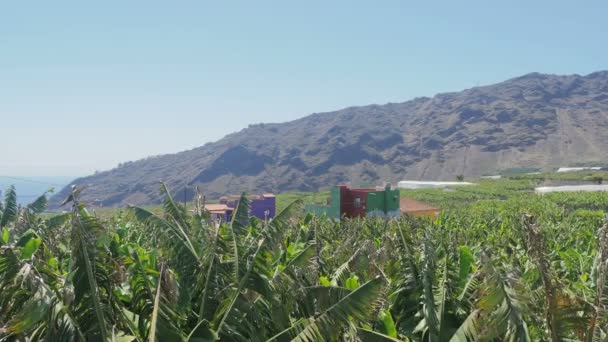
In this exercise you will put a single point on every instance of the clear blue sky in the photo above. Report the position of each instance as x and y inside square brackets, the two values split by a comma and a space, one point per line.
[85, 85]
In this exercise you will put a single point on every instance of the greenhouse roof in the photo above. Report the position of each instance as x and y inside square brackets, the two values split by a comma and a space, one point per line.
[572, 188]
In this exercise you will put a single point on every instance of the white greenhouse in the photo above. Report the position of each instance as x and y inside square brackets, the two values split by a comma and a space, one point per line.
[429, 184]
[586, 168]
[572, 188]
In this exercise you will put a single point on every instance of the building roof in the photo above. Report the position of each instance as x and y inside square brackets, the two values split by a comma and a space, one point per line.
[409, 205]
[251, 197]
[377, 188]
[363, 190]
[217, 208]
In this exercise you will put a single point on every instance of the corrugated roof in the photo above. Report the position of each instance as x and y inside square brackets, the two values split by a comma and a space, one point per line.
[409, 205]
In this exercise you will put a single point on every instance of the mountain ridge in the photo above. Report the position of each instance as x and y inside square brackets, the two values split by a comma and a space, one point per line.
[535, 119]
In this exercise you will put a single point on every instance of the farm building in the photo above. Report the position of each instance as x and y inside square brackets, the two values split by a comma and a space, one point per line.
[262, 207]
[220, 212]
[428, 184]
[572, 188]
[347, 202]
[416, 208]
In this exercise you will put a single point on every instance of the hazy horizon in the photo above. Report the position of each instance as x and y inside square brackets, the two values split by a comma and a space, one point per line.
[30, 188]
[88, 86]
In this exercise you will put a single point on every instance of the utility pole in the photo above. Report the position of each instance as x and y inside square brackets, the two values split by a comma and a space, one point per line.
[185, 198]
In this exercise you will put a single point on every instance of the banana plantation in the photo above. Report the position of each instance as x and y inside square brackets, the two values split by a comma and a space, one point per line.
[525, 268]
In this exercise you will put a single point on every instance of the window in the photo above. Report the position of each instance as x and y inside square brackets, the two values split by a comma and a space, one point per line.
[357, 203]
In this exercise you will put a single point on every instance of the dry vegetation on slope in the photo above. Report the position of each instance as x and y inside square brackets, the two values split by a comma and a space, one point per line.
[531, 121]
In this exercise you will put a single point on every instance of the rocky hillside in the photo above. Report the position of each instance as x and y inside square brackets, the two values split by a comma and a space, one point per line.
[535, 120]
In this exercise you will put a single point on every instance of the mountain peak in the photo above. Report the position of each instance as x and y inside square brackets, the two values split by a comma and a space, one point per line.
[598, 74]
[533, 75]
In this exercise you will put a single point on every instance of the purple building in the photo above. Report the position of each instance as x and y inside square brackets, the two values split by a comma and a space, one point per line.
[262, 207]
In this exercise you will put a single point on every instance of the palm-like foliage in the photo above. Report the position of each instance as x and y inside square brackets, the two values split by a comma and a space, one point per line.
[479, 275]
[336, 315]
[8, 209]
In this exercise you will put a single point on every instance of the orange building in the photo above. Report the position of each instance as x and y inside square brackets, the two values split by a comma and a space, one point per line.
[416, 208]
[219, 211]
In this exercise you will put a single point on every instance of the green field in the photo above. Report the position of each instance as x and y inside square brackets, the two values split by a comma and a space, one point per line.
[516, 184]
[499, 263]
